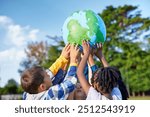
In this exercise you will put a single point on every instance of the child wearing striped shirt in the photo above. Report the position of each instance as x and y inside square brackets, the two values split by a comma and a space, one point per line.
[38, 83]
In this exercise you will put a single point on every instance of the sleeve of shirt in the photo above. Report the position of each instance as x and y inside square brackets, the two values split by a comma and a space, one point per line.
[60, 91]
[116, 94]
[59, 63]
[86, 73]
[94, 68]
[72, 70]
[59, 77]
[24, 95]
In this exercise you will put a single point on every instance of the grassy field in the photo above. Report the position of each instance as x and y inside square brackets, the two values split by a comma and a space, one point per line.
[140, 98]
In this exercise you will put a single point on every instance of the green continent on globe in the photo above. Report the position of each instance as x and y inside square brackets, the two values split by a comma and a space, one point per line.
[92, 22]
[76, 32]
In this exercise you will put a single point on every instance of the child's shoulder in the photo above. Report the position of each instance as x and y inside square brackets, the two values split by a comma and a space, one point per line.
[116, 94]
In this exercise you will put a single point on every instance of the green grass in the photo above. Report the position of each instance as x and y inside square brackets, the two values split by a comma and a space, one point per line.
[140, 98]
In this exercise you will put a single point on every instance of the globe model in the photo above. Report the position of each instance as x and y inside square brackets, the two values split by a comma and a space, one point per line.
[84, 25]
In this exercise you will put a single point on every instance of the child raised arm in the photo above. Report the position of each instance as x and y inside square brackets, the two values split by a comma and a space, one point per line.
[62, 90]
[60, 62]
[80, 72]
[103, 80]
[100, 55]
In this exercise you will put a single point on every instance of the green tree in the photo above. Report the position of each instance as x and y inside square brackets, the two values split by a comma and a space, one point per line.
[125, 27]
[11, 87]
[19, 90]
[42, 53]
[54, 50]
[36, 52]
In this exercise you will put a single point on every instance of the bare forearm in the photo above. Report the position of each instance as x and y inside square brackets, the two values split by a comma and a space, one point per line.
[91, 61]
[80, 73]
[82, 64]
[103, 60]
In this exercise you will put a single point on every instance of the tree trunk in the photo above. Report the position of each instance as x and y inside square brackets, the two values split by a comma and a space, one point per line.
[133, 94]
[139, 94]
[143, 94]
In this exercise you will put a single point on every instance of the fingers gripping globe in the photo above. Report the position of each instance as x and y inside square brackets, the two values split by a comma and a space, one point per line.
[84, 25]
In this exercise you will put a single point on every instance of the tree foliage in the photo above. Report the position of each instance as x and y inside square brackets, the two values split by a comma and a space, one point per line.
[54, 50]
[36, 52]
[12, 87]
[127, 32]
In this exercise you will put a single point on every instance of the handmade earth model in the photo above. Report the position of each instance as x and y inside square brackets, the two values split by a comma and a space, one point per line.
[84, 25]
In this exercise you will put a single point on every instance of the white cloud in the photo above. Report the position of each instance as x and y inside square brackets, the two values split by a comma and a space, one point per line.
[16, 34]
[9, 64]
[14, 40]
[4, 21]
[11, 54]
[33, 34]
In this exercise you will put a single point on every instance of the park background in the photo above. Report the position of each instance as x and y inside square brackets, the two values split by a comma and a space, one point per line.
[30, 34]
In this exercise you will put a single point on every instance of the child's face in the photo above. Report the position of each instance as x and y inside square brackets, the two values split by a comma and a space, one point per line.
[79, 93]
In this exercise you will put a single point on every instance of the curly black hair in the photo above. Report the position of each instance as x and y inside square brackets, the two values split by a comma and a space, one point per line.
[105, 79]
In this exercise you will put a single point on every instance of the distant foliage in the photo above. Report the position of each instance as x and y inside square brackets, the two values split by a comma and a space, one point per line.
[12, 87]
[128, 45]
[36, 53]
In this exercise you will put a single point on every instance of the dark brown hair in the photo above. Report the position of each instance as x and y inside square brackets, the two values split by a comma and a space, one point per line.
[32, 78]
[105, 79]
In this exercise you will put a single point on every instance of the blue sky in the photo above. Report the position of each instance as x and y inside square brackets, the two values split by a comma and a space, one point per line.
[22, 21]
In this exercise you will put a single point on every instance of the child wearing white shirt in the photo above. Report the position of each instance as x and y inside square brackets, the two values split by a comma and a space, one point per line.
[104, 80]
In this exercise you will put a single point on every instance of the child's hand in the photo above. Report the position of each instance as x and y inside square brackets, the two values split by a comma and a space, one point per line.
[66, 51]
[86, 48]
[74, 52]
[98, 51]
[100, 55]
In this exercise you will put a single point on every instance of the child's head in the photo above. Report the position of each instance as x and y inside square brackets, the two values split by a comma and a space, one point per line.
[104, 80]
[79, 93]
[35, 80]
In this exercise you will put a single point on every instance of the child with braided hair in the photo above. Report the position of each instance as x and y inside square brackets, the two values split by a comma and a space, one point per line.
[120, 84]
[104, 80]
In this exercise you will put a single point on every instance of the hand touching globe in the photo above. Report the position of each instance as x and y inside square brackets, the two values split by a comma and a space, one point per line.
[84, 25]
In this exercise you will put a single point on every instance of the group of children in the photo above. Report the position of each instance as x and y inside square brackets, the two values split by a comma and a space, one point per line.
[60, 83]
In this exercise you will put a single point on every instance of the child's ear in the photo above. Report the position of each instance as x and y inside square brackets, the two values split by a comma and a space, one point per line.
[42, 87]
